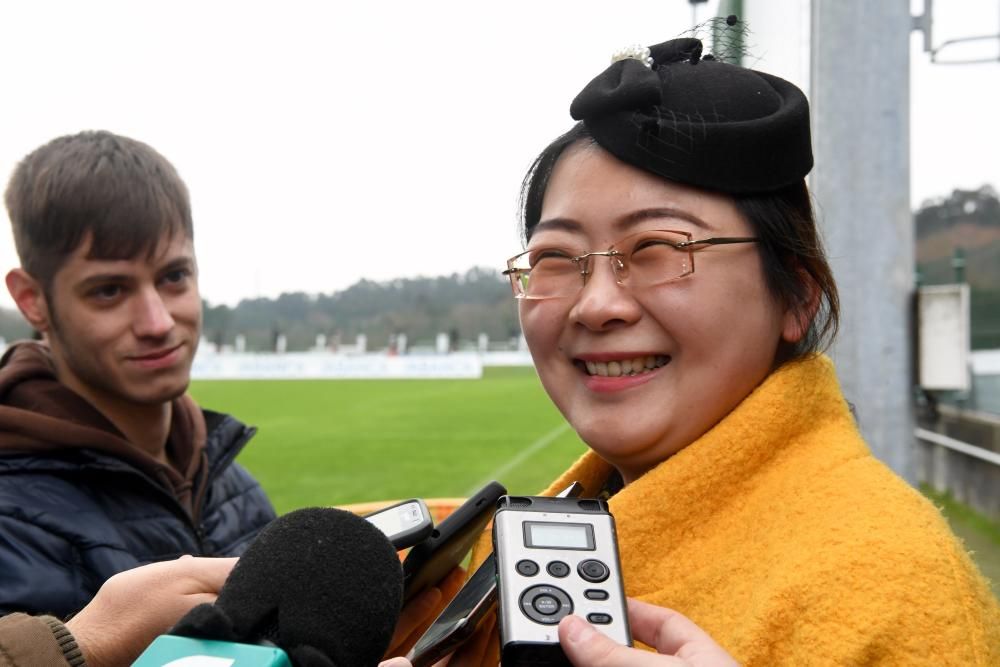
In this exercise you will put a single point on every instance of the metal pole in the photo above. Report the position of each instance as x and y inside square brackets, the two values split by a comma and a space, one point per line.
[730, 49]
[860, 97]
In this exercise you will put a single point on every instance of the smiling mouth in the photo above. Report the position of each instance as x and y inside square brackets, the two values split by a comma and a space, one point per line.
[153, 356]
[623, 367]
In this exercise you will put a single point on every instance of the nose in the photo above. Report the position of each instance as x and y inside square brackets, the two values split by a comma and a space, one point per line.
[151, 316]
[604, 303]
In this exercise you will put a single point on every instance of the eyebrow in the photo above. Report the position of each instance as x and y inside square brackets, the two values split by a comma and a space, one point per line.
[114, 277]
[184, 262]
[642, 215]
[626, 222]
[92, 281]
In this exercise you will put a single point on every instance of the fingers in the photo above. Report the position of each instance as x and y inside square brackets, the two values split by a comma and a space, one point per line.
[664, 629]
[673, 633]
[452, 583]
[395, 662]
[474, 651]
[210, 572]
[201, 598]
[586, 647]
[419, 612]
[185, 575]
[416, 613]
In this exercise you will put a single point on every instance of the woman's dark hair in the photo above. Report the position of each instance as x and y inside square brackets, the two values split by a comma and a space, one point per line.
[790, 248]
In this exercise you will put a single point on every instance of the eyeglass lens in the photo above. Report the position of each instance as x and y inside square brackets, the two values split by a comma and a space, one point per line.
[642, 260]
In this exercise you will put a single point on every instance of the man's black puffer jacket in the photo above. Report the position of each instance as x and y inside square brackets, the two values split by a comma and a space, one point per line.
[70, 519]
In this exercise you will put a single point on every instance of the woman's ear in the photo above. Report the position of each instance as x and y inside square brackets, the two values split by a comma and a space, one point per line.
[29, 298]
[799, 315]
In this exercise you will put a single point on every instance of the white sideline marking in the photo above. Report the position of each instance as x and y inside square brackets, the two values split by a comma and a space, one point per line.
[521, 457]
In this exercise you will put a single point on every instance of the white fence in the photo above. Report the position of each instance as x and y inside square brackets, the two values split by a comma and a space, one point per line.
[325, 365]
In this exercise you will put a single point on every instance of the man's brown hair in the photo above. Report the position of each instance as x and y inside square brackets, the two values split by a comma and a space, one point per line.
[118, 192]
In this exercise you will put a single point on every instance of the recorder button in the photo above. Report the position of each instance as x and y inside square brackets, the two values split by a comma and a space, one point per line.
[546, 605]
[595, 594]
[557, 568]
[593, 570]
[599, 619]
[527, 568]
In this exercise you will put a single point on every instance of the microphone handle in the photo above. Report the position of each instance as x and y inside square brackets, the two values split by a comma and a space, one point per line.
[176, 651]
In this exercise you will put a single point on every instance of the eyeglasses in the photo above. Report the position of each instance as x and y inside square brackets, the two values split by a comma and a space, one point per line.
[644, 259]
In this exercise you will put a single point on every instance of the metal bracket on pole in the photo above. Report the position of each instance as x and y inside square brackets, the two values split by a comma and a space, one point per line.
[925, 23]
[964, 40]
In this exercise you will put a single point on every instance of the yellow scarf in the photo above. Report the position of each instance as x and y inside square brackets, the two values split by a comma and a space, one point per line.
[780, 534]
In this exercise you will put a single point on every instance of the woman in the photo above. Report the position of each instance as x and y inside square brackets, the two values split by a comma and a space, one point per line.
[675, 299]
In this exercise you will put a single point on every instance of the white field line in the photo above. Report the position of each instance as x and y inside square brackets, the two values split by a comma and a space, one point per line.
[522, 456]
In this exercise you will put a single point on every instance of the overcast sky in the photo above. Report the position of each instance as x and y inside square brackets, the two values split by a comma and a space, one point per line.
[323, 142]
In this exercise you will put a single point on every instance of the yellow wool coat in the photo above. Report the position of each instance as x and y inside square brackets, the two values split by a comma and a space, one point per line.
[782, 536]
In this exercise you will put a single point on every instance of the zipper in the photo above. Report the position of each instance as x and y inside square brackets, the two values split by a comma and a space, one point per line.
[210, 475]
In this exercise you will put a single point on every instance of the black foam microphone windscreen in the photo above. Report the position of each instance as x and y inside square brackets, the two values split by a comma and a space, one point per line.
[322, 584]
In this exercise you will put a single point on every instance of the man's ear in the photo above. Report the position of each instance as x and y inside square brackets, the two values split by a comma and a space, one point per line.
[30, 299]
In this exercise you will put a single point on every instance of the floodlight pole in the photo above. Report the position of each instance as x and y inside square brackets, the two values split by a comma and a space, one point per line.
[860, 95]
[694, 10]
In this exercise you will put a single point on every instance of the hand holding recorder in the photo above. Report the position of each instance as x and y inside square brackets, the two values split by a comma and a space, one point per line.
[677, 640]
[555, 557]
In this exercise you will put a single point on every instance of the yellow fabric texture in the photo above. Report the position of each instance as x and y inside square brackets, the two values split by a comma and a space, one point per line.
[782, 536]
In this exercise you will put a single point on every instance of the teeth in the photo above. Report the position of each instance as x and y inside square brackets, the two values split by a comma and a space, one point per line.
[622, 367]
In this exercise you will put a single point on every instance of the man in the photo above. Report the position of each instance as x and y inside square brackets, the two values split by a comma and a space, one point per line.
[105, 462]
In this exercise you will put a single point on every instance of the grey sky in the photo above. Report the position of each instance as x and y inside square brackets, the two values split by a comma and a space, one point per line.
[324, 142]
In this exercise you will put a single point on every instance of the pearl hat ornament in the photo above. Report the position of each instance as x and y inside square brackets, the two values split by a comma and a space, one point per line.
[634, 52]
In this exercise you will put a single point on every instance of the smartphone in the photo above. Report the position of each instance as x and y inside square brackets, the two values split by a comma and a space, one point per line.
[432, 559]
[460, 618]
[464, 613]
[404, 523]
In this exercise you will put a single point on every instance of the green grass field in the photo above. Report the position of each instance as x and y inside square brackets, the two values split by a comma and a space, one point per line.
[331, 442]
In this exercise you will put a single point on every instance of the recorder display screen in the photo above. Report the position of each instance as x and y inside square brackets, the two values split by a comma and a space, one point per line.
[544, 535]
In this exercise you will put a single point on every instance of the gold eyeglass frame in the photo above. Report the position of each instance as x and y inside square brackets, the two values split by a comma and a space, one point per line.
[690, 245]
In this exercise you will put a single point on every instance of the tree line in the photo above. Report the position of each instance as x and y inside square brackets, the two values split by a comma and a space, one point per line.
[462, 305]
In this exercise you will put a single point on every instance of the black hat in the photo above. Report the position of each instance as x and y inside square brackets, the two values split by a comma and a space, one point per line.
[698, 120]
